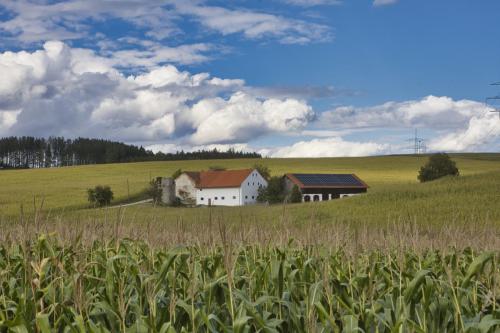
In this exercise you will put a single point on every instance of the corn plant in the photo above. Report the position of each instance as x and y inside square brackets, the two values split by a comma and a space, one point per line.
[128, 286]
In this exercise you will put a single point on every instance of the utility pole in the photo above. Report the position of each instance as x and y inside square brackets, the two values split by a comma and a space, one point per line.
[418, 146]
[497, 97]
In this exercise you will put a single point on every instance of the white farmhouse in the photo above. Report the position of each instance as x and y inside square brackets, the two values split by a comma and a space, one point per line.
[220, 188]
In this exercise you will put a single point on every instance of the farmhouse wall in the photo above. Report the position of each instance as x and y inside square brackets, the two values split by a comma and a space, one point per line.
[185, 189]
[250, 188]
[219, 196]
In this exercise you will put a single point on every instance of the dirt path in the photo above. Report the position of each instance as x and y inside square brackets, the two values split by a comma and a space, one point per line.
[132, 203]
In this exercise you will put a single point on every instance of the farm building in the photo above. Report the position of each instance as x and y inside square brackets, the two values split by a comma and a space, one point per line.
[322, 187]
[220, 188]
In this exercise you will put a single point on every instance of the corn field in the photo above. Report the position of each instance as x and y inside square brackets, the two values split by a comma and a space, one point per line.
[129, 286]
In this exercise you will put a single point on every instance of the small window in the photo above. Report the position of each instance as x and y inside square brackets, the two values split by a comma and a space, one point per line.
[234, 197]
[222, 198]
[253, 184]
[248, 183]
[215, 198]
[246, 196]
[202, 198]
[253, 197]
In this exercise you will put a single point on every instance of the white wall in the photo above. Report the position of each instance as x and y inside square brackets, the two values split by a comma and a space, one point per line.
[185, 184]
[219, 196]
[250, 188]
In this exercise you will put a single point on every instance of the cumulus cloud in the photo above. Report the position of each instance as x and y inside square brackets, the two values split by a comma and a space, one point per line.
[173, 148]
[60, 90]
[459, 125]
[430, 112]
[329, 147]
[481, 129]
[246, 117]
[384, 2]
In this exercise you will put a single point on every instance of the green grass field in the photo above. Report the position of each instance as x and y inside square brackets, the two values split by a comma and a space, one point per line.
[388, 177]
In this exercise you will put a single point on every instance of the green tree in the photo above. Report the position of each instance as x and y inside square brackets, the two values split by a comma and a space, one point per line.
[100, 195]
[295, 195]
[263, 170]
[274, 192]
[439, 165]
[176, 173]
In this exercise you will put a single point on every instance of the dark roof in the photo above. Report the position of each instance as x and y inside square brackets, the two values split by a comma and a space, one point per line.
[318, 180]
[223, 178]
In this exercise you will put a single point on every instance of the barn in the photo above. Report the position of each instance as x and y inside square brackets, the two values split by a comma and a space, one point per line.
[323, 187]
[220, 188]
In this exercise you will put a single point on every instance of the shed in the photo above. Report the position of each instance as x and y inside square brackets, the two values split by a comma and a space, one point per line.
[322, 187]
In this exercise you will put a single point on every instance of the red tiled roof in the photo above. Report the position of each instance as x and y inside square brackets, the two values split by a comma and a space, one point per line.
[220, 179]
[194, 175]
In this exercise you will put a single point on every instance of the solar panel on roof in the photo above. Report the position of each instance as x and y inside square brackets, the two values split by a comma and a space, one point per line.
[328, 180]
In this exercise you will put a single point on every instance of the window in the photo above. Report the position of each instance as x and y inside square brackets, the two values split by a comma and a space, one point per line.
[201, 198]
[246, 196]
[248, 183]
[253, 184]
[253, 197]
[215, 198]
[234, 197]
[222, 198]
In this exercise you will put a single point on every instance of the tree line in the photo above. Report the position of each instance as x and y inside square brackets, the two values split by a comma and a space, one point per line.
[32, 152]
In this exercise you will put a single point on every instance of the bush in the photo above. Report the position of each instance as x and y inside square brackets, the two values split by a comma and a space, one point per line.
[216, 168]
[263, 170]
[273, 193]
[100, 195]
[439, 165]
[154, 190]
[295, 195]
[176, 174]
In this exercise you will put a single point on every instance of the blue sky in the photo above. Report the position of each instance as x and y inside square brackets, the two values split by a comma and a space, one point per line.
[283, 77]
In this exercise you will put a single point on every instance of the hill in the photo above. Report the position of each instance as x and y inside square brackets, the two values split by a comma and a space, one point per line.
[65, 188]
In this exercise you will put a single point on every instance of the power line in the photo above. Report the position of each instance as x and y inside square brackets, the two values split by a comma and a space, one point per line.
[494, 98]
[417, 144]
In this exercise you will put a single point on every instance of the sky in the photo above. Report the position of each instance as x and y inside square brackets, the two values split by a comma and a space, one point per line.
[286, 78]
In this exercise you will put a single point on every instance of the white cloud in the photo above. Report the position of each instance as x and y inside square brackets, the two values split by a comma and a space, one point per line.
[60, 90]
[33, 21]
[156, 54]
[37, 21]
[329, 147]
[481, 129]
[311, 3]
[254, 24]
[172, 148]
[7, 119]
[384, 2]
[244, 117]
[429, 112]
[458, 125]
